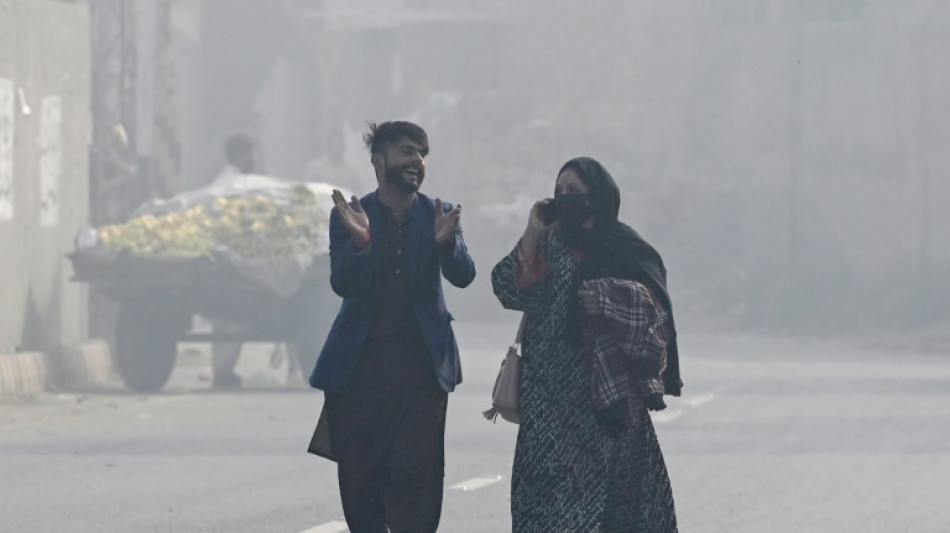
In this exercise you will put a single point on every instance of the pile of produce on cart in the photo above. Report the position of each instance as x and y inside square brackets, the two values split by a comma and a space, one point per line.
[268, 229]
[256, 223]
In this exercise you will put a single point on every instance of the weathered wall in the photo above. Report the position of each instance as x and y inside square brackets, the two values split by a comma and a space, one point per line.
[44, 139]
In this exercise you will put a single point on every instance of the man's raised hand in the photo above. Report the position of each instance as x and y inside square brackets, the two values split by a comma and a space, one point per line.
[353, 217]
[445, 223]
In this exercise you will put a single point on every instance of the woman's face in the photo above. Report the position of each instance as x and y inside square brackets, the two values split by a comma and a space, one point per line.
[570, 183]
[573, 198]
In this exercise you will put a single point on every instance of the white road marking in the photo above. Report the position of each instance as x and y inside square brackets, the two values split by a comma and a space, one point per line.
[336, 526]
[476, 483]
[696, 401]
[662, 417]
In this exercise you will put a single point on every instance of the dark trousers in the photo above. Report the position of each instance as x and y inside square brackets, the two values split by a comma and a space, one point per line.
[406, 500]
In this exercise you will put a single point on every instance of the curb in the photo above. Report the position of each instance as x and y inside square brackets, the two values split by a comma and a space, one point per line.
[98, 360]
[78, 365]
[22, 373]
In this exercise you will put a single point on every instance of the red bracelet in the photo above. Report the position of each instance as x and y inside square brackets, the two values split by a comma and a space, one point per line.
[368, 238]
[525, 263]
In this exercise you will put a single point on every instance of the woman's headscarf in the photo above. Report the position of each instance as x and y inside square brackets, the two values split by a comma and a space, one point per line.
[613, 249]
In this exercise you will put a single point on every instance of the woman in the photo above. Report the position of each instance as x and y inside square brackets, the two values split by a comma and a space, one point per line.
[598, 351]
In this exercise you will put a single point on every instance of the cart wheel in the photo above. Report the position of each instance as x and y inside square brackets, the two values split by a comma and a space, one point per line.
[145, 347]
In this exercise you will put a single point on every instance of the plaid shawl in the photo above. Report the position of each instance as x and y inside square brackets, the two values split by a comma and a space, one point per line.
[628, 341]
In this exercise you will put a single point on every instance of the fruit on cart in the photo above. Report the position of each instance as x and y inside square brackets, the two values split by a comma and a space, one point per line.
[252, 226]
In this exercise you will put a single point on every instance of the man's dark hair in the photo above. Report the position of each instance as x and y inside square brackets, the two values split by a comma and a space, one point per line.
[381, 136]
[238, 146]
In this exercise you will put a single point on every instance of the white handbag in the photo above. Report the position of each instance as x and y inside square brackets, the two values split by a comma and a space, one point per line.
[506, 395]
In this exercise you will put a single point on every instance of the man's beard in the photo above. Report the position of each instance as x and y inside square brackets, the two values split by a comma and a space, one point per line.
[395, 176]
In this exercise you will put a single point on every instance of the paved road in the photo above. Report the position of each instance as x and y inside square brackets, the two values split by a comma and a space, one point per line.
[771, 436]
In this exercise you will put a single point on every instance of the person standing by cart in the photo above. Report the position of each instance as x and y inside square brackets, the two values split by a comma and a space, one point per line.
[391, 357]
[241, 156]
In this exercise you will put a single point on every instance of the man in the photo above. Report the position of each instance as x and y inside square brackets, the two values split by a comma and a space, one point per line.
[240, 153]
[391, 358]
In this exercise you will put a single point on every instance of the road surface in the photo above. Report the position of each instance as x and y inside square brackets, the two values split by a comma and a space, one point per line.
[771, 435]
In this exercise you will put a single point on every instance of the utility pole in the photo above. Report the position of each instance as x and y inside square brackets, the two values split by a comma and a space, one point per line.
[113, 160]
[135, 152]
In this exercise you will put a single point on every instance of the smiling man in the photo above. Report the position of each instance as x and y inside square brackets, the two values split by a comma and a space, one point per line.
[391, 357]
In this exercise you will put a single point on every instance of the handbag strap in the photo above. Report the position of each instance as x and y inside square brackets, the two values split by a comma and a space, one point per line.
[521, 326]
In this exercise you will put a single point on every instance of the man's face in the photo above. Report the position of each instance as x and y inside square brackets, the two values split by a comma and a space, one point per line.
[405, 165]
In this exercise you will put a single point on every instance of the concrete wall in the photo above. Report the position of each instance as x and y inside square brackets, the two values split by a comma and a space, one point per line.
[45, 63]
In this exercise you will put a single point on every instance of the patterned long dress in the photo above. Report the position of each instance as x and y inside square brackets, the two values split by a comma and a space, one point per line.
[569, 473]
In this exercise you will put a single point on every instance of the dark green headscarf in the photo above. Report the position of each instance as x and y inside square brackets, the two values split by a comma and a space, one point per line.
[613, 249]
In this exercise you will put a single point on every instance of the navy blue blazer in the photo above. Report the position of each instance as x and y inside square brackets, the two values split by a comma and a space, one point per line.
[355, 274]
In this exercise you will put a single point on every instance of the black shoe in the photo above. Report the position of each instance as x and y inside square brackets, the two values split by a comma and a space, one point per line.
[229, 380]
